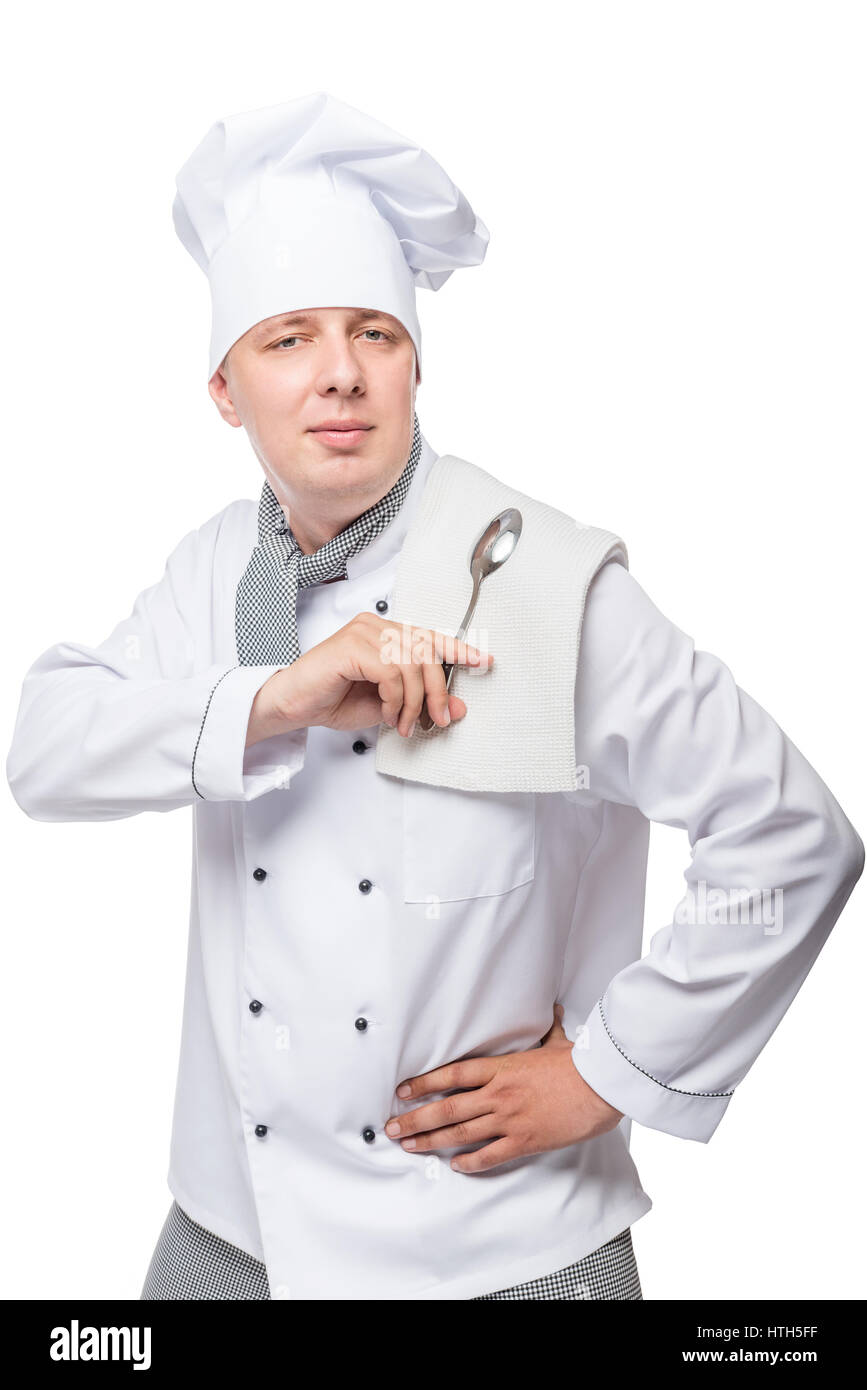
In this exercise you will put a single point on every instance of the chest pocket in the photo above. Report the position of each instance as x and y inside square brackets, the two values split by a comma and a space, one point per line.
[465, 844]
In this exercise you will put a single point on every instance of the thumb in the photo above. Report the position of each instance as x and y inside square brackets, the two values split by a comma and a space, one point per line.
[556, 1033]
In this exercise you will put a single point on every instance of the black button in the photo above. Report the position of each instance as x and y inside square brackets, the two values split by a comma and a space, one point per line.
[359, 746]
[382, 605]
[259, 874]
[365, 885]
[261, 1131]
[368, 1135]
[254, 1006]
[361, 1024]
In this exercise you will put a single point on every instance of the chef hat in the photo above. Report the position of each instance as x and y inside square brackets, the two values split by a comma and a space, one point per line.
[313, 204]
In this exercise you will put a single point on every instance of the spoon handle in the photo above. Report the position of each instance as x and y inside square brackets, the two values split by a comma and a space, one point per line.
[425, 719]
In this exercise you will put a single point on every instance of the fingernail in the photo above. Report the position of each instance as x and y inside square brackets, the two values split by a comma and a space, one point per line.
[411, 729]
[447, 717]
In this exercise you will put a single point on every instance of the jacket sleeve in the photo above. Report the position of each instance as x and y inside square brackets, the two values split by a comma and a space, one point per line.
[665, 728]
[135, 724]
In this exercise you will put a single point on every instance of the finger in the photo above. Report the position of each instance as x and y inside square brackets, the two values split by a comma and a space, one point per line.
[390, 689]
[374, 651]
[394, 640]
[452, 1076]
[480, 1160]
[435, 693]
[401, 681]
[429, 645]
[456, 706]
[414, 649]
[425, 677]
[457, 652]
[451, 1110]
[384, 650]
[413, 694]
[447, 649]
[404, 658]
[465, 1132]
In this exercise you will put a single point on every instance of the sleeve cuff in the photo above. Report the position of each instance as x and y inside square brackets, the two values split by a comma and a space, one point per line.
[621, 1081]
[223, 769]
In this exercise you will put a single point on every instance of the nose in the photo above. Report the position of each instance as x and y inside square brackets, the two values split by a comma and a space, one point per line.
[339, 368]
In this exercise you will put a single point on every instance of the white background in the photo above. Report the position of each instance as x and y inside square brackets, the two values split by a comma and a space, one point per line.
[666, 339]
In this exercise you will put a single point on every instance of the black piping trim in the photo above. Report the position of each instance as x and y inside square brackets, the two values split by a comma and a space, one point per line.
[201, 727]
[678, 1089]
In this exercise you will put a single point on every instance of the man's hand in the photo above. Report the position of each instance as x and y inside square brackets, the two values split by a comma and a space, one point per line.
[370, 671]
[526, 1102]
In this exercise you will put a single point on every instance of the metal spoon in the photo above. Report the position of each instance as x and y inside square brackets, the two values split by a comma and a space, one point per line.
[492, 549]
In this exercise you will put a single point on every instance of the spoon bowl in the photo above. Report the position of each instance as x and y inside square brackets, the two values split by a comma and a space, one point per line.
[491, 551]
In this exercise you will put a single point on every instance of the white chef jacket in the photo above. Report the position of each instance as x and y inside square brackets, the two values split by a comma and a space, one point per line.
[350, 929]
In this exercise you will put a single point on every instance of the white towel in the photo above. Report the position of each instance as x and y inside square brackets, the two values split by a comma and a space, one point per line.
[519, 730]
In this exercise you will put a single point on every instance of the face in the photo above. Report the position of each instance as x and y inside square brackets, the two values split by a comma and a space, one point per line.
[291, 374]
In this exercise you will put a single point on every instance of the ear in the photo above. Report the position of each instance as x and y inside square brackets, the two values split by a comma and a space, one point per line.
[218, 389]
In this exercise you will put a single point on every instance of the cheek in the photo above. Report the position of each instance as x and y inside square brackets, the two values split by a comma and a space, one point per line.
[275, 410]
[399, 382]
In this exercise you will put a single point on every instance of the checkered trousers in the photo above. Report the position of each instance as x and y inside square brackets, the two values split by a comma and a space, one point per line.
[190, 1262]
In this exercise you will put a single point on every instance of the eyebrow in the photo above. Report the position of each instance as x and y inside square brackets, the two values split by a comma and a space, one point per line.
[301, 319]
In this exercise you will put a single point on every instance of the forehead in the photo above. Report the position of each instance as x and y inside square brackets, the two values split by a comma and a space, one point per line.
[312, 318]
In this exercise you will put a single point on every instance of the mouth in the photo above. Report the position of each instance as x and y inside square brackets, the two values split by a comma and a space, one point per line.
[345, 437]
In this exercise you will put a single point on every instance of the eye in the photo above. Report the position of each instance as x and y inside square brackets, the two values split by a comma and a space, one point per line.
[295, 337]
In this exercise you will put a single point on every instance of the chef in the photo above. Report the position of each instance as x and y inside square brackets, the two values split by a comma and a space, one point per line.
[417, 1023]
